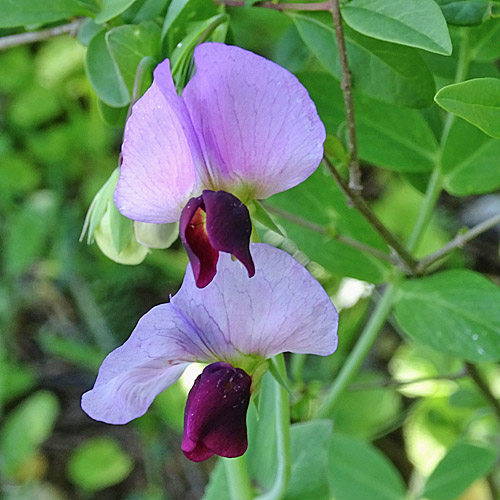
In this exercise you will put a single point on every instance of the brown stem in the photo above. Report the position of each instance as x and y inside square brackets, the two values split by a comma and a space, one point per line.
[358, 201]
[38, 36]
[278, 6]
[312, 226]
[457, 242]
[483, 386]
[346, 86]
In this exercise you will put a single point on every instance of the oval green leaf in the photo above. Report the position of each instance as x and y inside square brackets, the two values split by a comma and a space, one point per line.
[382, 70]
[26, 428]
[416, 23]
[103, 73]
[111, 8]
[460, 467]
[389, 136]
[98, 463]
[477, 101]
[129, 44]
[23, 12]
[470, 161]
[359, 470]
[465, 12]
[455, 312]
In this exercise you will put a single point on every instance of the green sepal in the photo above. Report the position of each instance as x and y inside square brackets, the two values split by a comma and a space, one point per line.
[275, 372]
[260, 214]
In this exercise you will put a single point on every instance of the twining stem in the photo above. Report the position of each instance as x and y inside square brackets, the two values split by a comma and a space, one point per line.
[459, 241]
[380, 314]
[312, 226]
[384, 307]
[460, 75]
[431, 196]
[238, 479]
[282, 422]
[363, 208]
[483, 386]
[7, 42]
[278, 6]
[346, 86]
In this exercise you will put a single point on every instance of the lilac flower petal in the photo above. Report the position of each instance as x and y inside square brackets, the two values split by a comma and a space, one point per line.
[258, 127]
[160, 155]
[282, 308]
[154, 357]
[229, 226]
[202, 255]
[215, 414]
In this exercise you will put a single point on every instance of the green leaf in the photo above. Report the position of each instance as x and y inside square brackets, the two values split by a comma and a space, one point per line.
[477, 101]
[129, 44]
[74, 351]
[259, 213]
[217, 487]
[465, 12]
[104, 74]
[416, 23]
[23, 12]
[483, 41]
[179, 15]
[321, 202]
[35, 218]
[353, 414]
[26, 428]
[114, 117]
[470, 161]
[111, 8]
[87, 31]
[460, 467]
[148, 10]
[382, 70]
[98, 463]
[454, 312]
[261, 454]
[401, 141]
[182, 55]
[358, 470]
[310, 443]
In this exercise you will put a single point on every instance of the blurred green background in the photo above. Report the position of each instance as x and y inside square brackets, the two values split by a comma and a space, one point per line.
[64, 305]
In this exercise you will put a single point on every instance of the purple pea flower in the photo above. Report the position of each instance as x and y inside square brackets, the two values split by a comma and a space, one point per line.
[234, 325]
[244, 129]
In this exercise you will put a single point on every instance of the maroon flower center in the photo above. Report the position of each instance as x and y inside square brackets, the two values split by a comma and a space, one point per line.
[215, 414]
[215, 222]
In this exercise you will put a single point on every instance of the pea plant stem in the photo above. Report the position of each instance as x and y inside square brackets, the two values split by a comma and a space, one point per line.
[282, 422]
[71, 29]
[346, 86]
[313, 6]
[363, 208]
[238, 478]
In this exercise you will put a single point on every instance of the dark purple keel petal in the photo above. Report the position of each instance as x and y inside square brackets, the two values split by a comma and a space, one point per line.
[215, 222]
[229, 226]
[202, 255]
[215, 414]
